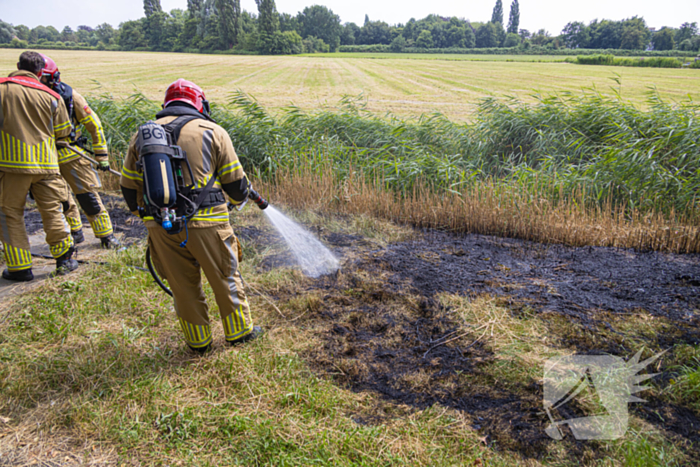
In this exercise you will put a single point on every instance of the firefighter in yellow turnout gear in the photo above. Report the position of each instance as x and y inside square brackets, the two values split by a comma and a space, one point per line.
[76, 170]
[206, 241]
[32, 117]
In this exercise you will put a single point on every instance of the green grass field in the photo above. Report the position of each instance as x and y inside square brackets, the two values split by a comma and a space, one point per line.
[403, 86]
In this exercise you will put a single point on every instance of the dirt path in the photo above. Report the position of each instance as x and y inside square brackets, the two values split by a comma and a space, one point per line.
[127, 228]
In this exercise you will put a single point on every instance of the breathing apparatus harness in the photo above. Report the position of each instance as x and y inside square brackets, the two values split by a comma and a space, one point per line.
[169, 200]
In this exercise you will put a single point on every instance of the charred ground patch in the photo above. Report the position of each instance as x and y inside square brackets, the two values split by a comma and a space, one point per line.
[386, 330]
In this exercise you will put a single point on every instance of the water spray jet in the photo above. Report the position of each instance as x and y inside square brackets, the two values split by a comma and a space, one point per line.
[314, 258]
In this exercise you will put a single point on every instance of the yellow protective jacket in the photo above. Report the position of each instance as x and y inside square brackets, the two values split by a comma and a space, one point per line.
[209, 151]
[32, 117]
[83, 114]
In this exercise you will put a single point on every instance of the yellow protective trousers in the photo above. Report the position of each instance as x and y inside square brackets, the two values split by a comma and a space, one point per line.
[214, 250]
[84, 182]
[49, 192]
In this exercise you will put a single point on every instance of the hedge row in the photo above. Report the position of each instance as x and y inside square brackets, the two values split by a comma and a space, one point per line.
[651, 62]
[534, 50]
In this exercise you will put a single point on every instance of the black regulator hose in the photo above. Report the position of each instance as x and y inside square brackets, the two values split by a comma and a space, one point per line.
[152, 270]
[257, 199]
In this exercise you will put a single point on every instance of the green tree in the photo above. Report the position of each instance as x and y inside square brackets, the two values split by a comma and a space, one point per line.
[425, 39]
[67, 35]
[487, 36]
[226, 13]
[7, 32]
[194, 6]
[319, 21]
[42, 33]
[314, 44]
[268, 26]
[398, 44]
[497, 15]
[151, 6]
[686, 31]
[375, 32]
[105, 33]
[541, 38]
[155, 30]
[469, 37]
[85, 34]
[457, 36]
[663, 39]
[351, 32]
[635, 34]
[22, 32]
[605, 34]
[514, 19]
[512, 40]
[575, 35]
[290, 23]
[131, 35]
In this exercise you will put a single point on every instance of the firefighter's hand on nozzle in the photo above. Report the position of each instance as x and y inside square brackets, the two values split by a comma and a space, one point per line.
[104, 166]
[257, 199]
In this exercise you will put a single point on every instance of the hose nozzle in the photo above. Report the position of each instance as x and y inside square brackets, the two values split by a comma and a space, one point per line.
[257, 199]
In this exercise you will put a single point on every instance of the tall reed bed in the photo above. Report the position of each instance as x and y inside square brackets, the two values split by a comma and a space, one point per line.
[489, 207]
[577, 159]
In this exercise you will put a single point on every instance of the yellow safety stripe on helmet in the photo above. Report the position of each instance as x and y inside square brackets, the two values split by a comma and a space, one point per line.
[102, 225]
[228, 168]
[131, 175]
[62, 248]
[235, 325]
[17, 259]
[196, 336]
[75, 223]
[16, 154]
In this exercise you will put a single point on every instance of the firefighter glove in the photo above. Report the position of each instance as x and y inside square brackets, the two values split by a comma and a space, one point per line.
[104, 166]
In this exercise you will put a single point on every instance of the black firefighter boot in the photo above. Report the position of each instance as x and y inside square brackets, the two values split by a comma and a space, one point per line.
[78, 236]
[66, 263]
[110, 242]
[252, 335]
[18, 276]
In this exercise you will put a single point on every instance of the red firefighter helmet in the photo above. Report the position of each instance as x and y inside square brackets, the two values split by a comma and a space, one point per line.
[50, 70]
[188, 92]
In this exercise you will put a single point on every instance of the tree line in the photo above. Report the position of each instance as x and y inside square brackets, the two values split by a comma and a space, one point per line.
[221, 25]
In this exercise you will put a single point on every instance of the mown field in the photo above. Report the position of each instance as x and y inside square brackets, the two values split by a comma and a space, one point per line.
[403, 86]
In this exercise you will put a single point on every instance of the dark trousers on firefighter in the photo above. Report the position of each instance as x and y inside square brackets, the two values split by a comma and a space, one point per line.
[215, 251]
[49, 192]
[84, 182]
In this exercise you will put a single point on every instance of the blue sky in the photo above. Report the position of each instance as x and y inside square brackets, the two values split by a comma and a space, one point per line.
[535, 14]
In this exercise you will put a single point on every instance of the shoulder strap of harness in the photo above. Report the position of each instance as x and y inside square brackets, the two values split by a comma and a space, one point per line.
[30, 83]
[174, 128]
[66, 93]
